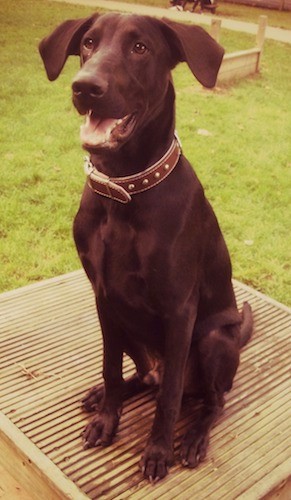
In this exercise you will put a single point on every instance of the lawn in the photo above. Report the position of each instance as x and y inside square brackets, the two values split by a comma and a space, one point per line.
[243, 161]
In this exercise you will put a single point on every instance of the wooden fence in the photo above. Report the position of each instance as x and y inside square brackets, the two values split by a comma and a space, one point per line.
[243, 63]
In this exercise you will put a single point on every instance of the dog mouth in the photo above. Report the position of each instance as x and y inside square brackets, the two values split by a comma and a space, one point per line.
[99, 132]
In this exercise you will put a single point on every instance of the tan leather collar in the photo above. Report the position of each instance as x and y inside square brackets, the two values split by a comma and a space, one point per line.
[121, 188]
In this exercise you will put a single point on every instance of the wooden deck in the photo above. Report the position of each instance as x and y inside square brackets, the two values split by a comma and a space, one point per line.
[51, 353]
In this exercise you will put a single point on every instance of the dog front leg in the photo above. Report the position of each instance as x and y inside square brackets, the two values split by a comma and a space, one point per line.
[158, 455]
[102, 428]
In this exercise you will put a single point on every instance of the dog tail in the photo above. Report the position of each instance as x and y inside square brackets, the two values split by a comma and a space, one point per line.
[246, 328]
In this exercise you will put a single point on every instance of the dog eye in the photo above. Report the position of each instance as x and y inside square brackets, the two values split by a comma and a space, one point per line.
[88, 43]
[140, 48]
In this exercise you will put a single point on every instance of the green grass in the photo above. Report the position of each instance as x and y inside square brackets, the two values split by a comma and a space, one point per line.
[244, 164]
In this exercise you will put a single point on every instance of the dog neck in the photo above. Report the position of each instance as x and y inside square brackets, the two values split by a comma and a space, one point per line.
[122, 188]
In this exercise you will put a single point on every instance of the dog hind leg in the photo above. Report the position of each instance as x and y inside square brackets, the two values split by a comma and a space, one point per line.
[218, 358]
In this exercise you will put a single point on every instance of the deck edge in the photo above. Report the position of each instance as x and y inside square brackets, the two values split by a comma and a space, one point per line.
[28, 464]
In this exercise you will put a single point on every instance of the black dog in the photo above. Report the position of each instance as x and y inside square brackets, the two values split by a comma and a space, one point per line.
[146, 235]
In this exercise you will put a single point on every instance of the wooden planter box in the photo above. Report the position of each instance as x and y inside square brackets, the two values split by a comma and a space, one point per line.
[243, 63]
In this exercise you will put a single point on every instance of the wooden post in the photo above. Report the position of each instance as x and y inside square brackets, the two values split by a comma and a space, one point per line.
[215, 28]
[263, 21]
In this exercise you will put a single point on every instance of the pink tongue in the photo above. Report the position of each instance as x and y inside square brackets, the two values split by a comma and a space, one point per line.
[96, 131]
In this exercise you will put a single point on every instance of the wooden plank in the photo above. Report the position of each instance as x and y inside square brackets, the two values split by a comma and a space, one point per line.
[263, 487]
[260, 39]
[31, 468]
[51, 353]
[239, 65]
[10, 488]
[215, 28]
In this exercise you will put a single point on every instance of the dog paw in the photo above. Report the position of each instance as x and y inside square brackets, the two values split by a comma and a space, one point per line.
[100, 431]
[193, 448]
[93, 398]
[155, 462]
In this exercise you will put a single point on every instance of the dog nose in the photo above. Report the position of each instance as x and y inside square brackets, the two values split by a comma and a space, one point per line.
[88, 88]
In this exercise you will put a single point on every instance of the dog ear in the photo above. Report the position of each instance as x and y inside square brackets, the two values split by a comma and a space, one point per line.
[195, 46]
[63, 42]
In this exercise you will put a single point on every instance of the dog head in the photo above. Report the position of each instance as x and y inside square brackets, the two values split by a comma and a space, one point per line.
[125, 69]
